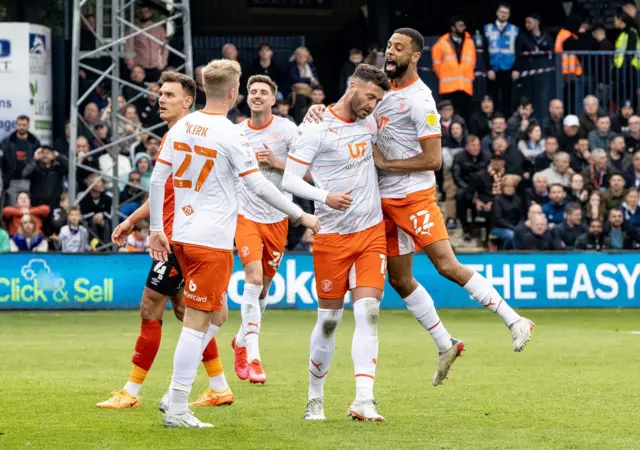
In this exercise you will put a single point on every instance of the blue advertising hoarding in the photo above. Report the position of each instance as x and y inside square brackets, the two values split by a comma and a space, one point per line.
[536, 280]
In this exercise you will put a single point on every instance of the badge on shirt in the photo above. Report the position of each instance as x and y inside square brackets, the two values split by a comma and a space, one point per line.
[432, 119]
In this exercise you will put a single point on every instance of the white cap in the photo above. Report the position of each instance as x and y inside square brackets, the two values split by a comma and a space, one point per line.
[571, 121]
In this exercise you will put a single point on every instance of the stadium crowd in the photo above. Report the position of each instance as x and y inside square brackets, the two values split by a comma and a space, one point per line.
[516, 178]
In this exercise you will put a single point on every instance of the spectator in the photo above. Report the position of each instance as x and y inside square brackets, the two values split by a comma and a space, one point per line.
[61, 143]
[45, 173]
[559, 172]
[447, 116]
[132, 118]
[302, 69]
[572, 227]
[28, 238]
[87, 36]
[581, 156]
[465, 164]
[552, 125]
[355, 59]
[621, 234]
[142, 165]
[100, 96]
[17, 151]
[619, 159]
[538, 194]
[565, 40]
[230, 52]
[633, 138]
[264, 65]
[533, 146]
[479, 125]
[454, 62]
[13, 214]
[105, 114]
[514, 161]
[102, 136]
[300, 100]
[148, 109]
[498, 129]
[501, 44]
[317, 96]
[597, 175]
[282, 110]
[534, 50]
[201, 97]
[483, 186]
[96, 209]
[525, 227]
[570, 133]
[632, 175]
[306, 243]
[59, 216]
[519, 122]
[131, 195]
[138, 77]
[5, 246]
[593, 239]
[149, 54]
[90, 162]
[538, 237]
[626, 63]
[554, 208]
[507, 212]
[630, 208]
[620, 123]
[594, 208]
[545, 159]
[74, 237]
[576, 192]
[602, 135]
[589, 120]
[91, 117]
[106, 163]
[613, 197]
[138, 240]
[453, 144]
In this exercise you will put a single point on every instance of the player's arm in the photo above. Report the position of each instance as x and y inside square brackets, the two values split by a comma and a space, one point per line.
[158, 242]
[429, 159]
[125, 228]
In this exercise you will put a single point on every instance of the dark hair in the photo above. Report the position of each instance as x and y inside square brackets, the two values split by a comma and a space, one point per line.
[632, 189]
[556, 185]
[455, 20]
[283, 102]
[23, 117]
[416, 38]
[369, 73]
[615, 136]
[74, 208]
[571, 208]
[498, 115]
[262, 79]
[524, 101]
[616, 174]
[618, 210]
[264, 44]
[551, 136]
[595, 219]
[471, 137]
[504, 5]
[355, 51]
[317, 88]
[532, 125]
[187, 83]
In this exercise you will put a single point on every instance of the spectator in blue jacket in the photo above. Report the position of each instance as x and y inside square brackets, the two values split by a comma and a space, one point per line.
[302, 69]
[28, 238]
[630, 208]
[554, 208]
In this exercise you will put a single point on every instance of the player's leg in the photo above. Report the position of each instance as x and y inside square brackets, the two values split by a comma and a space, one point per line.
[441, 255]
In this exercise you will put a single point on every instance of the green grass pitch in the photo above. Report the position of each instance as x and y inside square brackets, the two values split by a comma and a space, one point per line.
[575, 386]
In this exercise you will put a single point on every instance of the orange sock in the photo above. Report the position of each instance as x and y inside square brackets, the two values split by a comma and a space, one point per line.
[211, 359]
[138, 374]
[146, 349]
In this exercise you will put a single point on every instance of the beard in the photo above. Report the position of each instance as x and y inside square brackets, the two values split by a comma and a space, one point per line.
[399, 70]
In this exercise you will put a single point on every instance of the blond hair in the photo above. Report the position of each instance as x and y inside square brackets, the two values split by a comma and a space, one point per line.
[304, 50]
[220, 75]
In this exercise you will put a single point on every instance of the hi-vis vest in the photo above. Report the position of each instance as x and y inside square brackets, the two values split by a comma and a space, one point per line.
[502, 46]
[570, 63]
[454, 75]
[621, 47]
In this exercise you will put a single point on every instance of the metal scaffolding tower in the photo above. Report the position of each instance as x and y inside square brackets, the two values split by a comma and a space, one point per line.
[115, 24]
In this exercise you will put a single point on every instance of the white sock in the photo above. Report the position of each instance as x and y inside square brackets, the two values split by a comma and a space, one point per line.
[484, 293]
[323, 344]
[251, 315]
[132, 388]
[211, 332]
[263, 306]
[250, 296]
[185, 367]
[364, 348]
[420, 303]
[218, 383]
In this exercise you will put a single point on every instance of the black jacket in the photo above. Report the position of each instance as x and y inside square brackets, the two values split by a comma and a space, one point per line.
[542, 162]
[90, 207]
[589, 242]
[569, 234]
[551, 127]
[568, 143]
[464, 165]
[534, 52]
[46, 182]
[620, 125]
[273, 71]
[481, 183]
[16, 154]
[531, 241]
[630, 178]
[507, 211]
[578, 163]
[632, 144]
[530, 196]
[514, 161]
[479, 124]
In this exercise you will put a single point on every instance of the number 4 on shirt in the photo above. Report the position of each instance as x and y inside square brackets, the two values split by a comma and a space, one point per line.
[206, 168]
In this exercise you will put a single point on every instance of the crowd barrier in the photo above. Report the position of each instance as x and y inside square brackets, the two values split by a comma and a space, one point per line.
[527, 280]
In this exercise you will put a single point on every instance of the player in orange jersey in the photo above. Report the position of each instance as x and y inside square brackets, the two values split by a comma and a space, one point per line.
[204, 153]
[165, 279]
[407, 154]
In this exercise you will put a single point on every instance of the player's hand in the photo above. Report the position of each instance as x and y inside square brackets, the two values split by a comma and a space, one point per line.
[339, 200]
[119, 235]
[159, 246]
[310, 221]
[266, 156]
[491, 75]
[378, 157]
[314, 114]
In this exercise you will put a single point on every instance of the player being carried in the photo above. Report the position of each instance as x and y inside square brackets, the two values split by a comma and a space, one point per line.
[409, 151]
[165, 281]
[261, 234]
[350, 251]
[203, 153]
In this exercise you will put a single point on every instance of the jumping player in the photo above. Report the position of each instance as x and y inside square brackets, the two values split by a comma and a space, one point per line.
[350, 251]
[261, 234]
[203, 153]
[165, 279]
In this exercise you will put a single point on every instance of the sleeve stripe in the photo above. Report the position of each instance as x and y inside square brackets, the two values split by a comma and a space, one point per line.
[429, 136]
[163, 161]
[299, 161]
[248, 172]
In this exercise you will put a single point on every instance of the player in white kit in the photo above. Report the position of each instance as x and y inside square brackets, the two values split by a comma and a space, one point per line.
[350, 251]
[203, 153]
[262, 230]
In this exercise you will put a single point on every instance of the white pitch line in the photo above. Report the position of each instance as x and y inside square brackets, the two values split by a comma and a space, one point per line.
[635, 332]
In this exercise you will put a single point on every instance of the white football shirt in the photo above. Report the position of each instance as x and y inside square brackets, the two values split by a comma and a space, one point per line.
[278, 135]
[404, 117]
[339, 155]
[206, 152]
